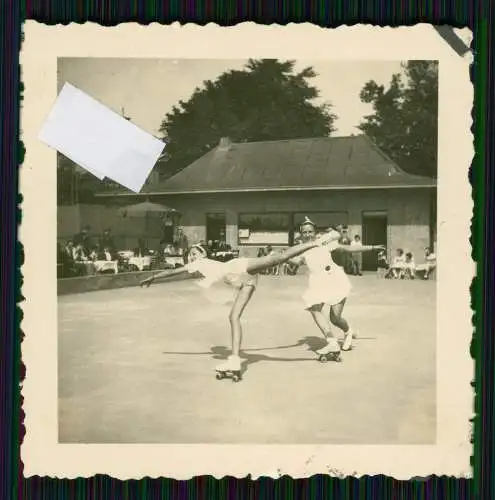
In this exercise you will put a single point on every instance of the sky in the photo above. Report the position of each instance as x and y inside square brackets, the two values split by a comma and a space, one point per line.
[148, 88]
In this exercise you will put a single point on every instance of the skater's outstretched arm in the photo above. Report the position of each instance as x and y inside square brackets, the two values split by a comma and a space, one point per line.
[259, 264]
[361, 248]
[168, 273]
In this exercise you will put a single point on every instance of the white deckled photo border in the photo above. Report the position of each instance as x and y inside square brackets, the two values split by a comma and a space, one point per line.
[43, 455]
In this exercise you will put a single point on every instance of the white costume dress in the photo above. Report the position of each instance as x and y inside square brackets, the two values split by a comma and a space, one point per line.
[328, 283]
[233, 273]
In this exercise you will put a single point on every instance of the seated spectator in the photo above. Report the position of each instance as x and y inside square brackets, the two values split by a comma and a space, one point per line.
[79, 254]
[382, 264]
[221, 246]
[425, 270]
[96, 253]
[107, 241]
[409, 267]
[279, 270]
[84, 239]
[269, 251]
[290, 268]
[107, 254]
[82, 261]
[395, 270]
[65, 262]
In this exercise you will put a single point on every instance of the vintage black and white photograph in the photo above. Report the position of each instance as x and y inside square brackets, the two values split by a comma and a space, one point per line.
[246, 252]
[275, 279]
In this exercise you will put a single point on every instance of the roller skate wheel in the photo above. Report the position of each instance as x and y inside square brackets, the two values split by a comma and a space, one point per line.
[236, 378]
[219, 375]
[323, 358]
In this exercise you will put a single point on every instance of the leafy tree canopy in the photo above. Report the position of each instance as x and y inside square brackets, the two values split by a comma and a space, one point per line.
[266, 100]
[404, 122]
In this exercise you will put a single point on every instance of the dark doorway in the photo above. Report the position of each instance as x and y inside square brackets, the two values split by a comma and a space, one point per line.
[374, 233]
[168, 233]
[215, 227]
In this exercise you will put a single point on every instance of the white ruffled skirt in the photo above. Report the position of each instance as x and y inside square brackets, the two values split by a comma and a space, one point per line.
[327, 287]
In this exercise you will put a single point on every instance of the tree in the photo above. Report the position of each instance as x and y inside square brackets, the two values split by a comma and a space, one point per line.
[404, 123]
[266, 100]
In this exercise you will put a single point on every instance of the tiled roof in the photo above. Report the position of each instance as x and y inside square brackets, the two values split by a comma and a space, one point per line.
[315, 163]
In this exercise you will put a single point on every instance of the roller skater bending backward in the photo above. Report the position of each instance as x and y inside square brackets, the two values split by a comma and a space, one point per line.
[241, 274]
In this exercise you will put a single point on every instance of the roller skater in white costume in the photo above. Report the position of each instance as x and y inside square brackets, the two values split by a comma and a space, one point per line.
[242, 274]
[328, 284]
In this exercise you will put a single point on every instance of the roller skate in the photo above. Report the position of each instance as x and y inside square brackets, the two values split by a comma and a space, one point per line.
[230, 369]
[331, 352]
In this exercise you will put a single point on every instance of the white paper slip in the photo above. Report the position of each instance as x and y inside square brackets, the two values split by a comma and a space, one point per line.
[91, 170]
[100, 140]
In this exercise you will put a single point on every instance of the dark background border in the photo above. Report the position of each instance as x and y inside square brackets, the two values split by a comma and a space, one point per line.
[478, 16]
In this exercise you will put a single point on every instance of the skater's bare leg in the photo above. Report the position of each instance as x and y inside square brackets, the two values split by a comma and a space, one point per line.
[332, 346]
[336, 316]
[241, 301]
[321, 320]
[340, 322]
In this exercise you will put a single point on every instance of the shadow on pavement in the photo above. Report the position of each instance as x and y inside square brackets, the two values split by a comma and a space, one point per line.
[249, 355]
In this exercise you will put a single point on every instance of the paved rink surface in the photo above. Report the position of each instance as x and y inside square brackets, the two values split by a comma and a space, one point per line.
[137, 366]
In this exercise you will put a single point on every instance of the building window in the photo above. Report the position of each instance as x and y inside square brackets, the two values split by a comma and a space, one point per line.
[264, 229]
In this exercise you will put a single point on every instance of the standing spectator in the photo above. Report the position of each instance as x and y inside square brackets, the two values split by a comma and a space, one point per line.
[141, 250]
[182, 243]
[356, 257]
[84, 240]
[342, 258]
[262, 253]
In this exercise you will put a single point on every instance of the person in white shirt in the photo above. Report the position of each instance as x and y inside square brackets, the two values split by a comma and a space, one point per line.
[240, 273]
[430, 264]
[108, 255]
[356, 256]
[397, 267]
[329, 285]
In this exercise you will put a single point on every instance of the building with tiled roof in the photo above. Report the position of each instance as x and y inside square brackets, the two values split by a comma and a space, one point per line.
[255, 194]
